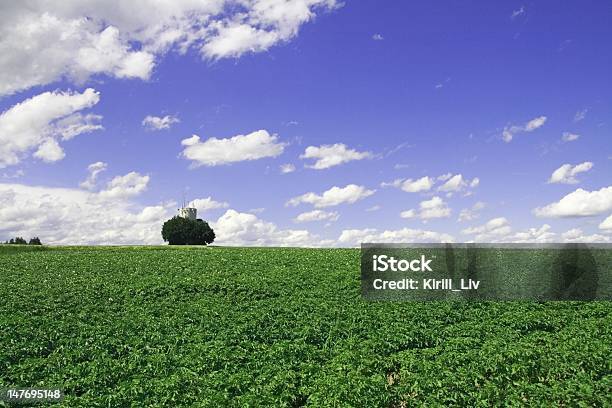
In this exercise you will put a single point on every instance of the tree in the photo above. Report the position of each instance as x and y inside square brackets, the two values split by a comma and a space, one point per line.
[35, 241]
[183, 231]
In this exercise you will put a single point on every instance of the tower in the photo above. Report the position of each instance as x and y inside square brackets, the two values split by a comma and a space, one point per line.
[189, 213]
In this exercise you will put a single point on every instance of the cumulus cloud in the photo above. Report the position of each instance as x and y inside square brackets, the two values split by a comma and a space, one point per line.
[243, 229]
[40, 122]
[327, 156]
[457, 183]
[606, 224]
[77, 39]
[450, 184]
[569, 137]
[159, 123]
[125, 186]
[354, 237]
[469, 214]
[510, 131]
[534, 235]
[580, 115]
[428, 209]
[216, 152]
[493, 230]
[412, 186]
[579, 203]
[64, 216]
[287, 168]
[566, 174]
[577, 235]
[94, 170]
[317, 215]
[334, 196]
[206, 204]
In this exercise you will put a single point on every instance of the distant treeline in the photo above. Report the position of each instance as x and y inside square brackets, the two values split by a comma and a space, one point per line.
[21, 241]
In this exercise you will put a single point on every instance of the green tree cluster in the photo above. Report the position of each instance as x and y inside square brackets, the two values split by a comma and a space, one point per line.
[183, 231]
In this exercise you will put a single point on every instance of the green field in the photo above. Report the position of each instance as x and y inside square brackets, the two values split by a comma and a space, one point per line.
[215, 327]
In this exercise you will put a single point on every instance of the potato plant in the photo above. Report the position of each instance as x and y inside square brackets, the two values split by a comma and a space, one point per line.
[211, 327]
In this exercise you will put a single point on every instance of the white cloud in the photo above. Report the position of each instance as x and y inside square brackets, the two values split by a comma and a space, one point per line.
[327, 156]
[579, 203]
[378, 37]
[243, 229]
[580, 115]
[534, 235]
[408, 214]
[64, 216]
[457, 183]
[566, 174]
[569, 137]
[317, 215]
[40, 121]
[287, 168]
[206, 204]
[518, 12]
[576, 235]
[469, 214]
[215, 152]
[125, 186]
[373, 208]
[452, 184]
[334, 196]
[510, 131]
[94, 170]
[74, 39]
[428, 209]
[354, 237]
[606, 224]
[49, 151]
[493, 230]
[415, 186]
[159, 123]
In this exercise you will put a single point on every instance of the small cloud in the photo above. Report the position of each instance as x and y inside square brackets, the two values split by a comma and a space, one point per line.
[566, 174]
[287, 168]
[580, 115]
[332, 197]
[94, 170]
[14, 175]
[569, 137]
[429, 209]
[518, 12]
[377, 37]
[317, 215]
[216, 152]
[159, 123]
[292, 123]
[207, 204]
[401, 166]
[469, 214]
[510, 131]
[373, 208]
[327, 156]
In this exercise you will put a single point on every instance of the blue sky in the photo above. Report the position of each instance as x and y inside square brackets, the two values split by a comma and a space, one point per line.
[415, 90]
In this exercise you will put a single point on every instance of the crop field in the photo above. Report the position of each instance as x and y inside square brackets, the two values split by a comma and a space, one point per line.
[212, 327]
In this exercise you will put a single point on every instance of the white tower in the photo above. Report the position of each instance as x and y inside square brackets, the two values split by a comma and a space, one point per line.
[188, 212]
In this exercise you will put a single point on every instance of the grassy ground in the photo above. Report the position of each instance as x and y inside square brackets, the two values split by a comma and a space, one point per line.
[279, 327]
